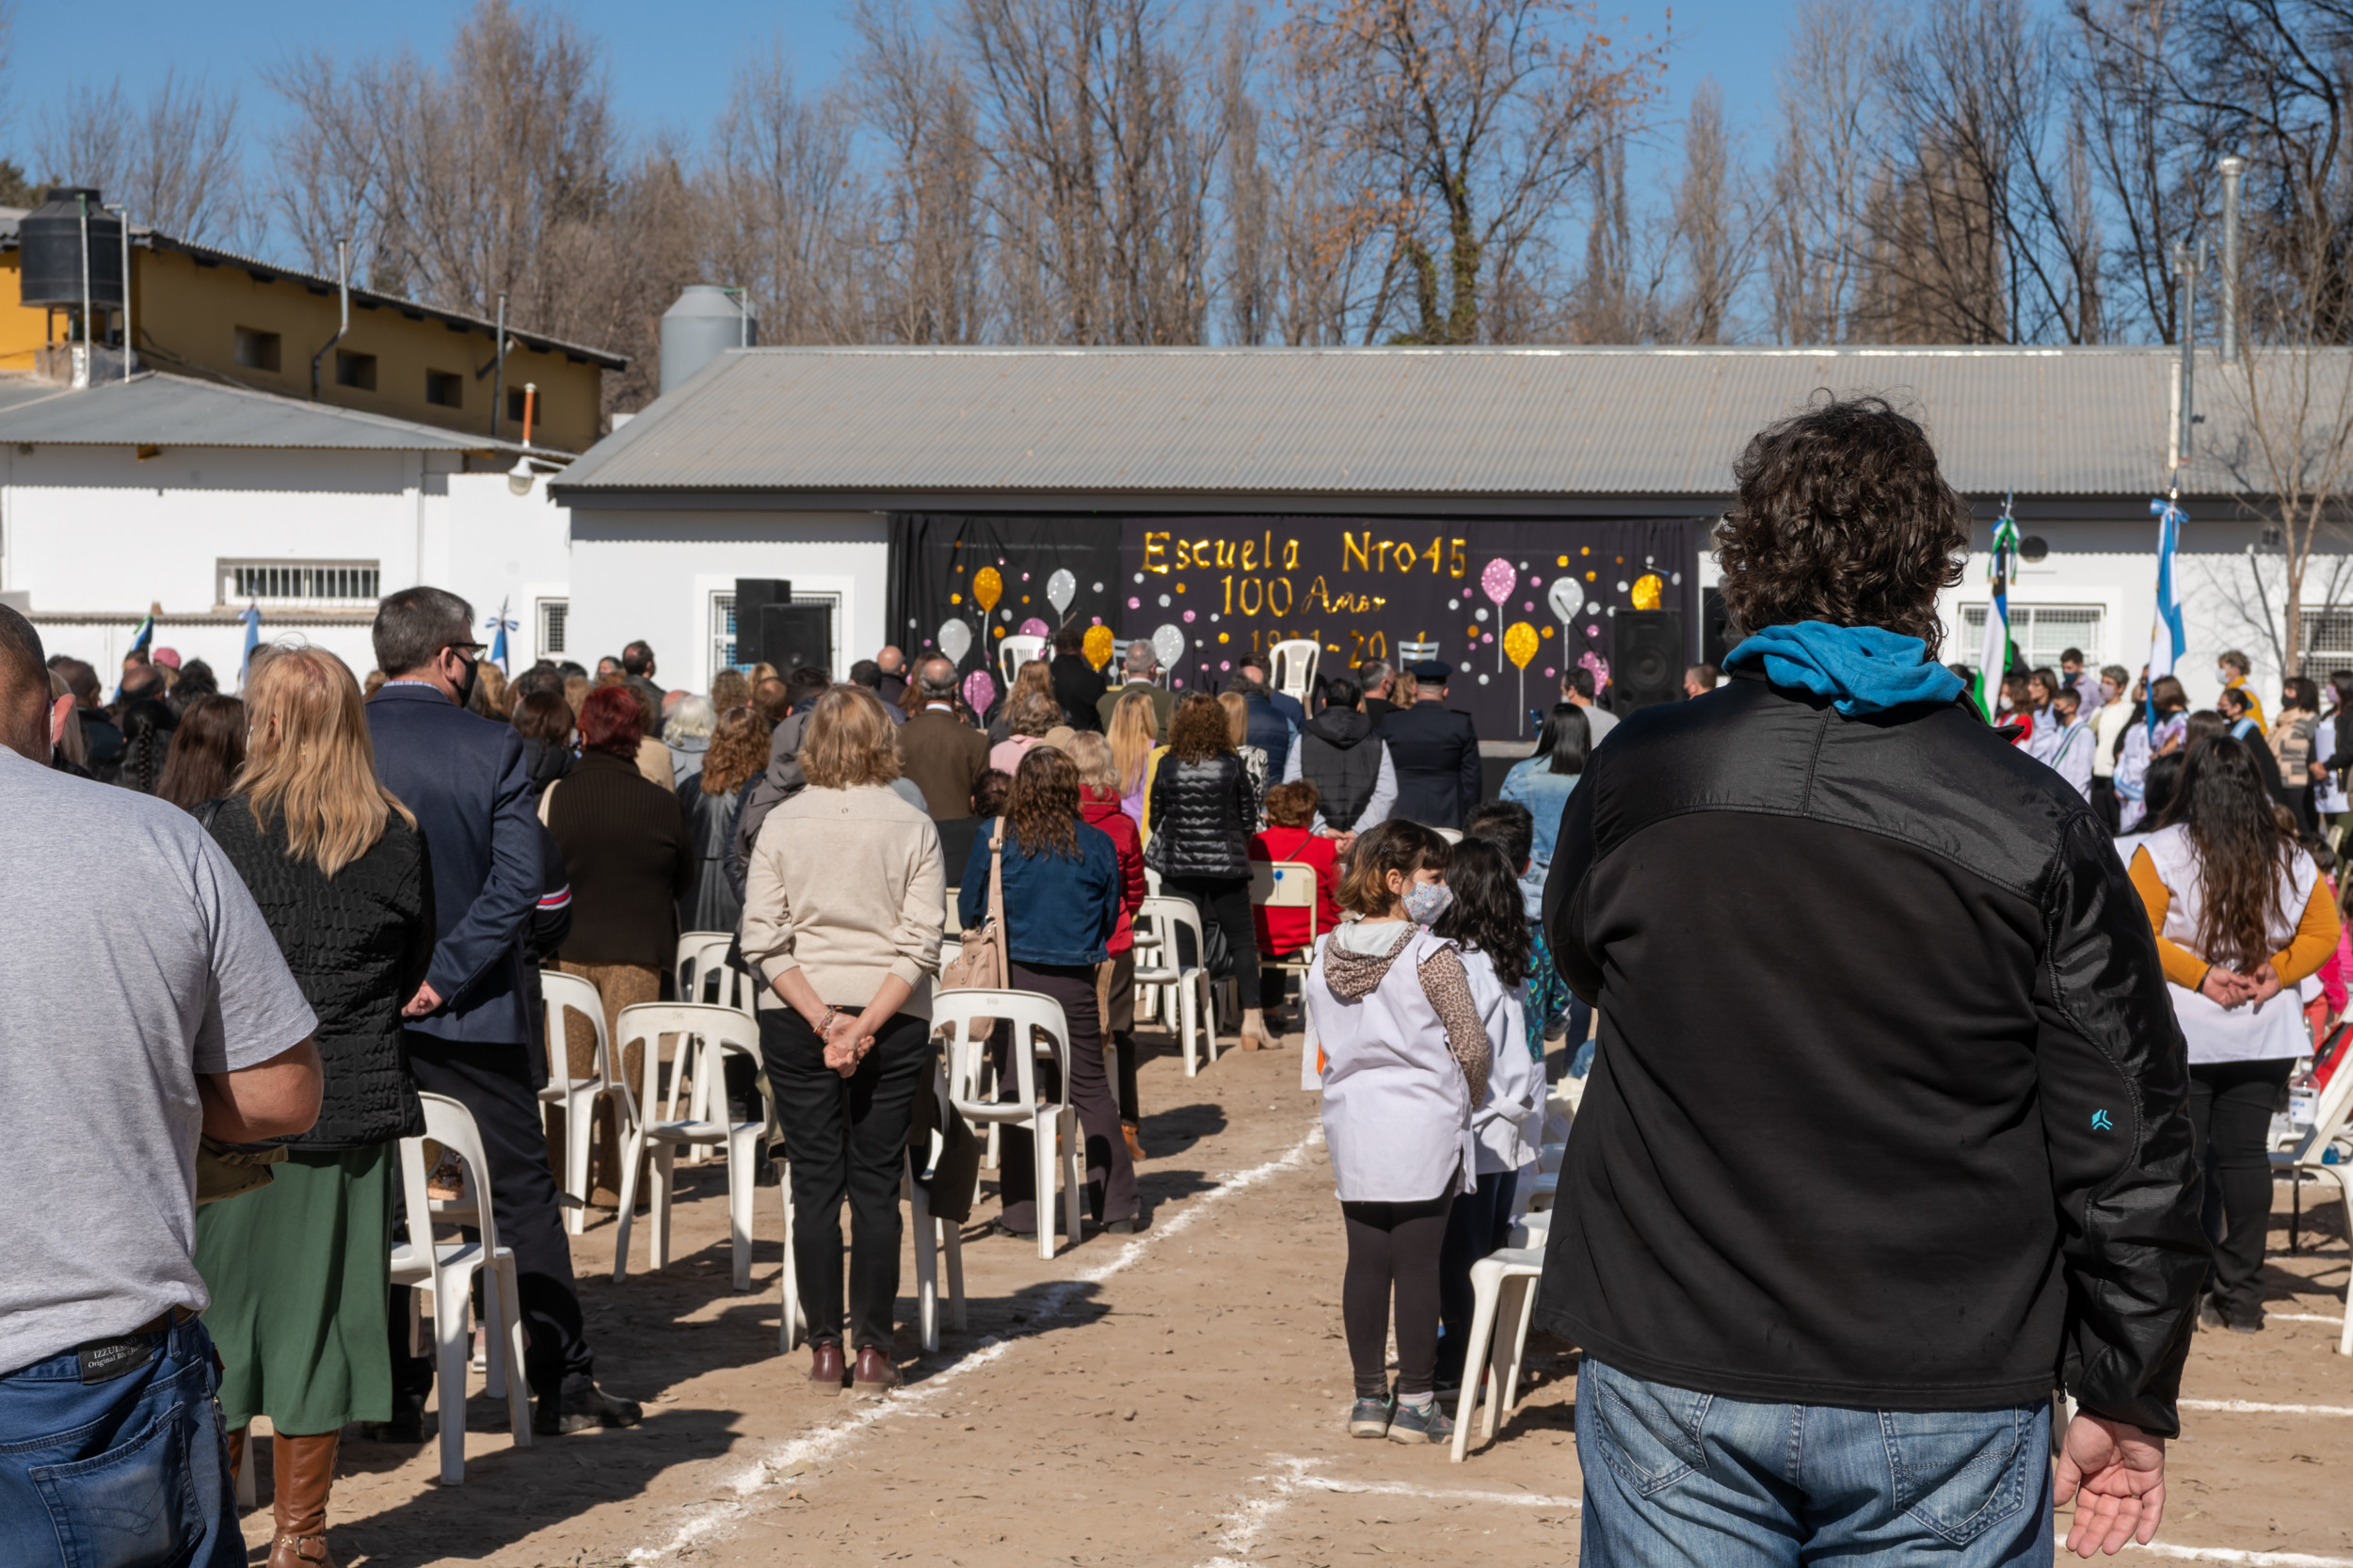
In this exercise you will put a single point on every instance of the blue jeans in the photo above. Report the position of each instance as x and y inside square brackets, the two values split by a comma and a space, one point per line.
[129, 1473]
[1672, 1476]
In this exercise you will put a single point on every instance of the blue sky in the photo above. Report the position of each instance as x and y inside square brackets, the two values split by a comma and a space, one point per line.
[670, 59]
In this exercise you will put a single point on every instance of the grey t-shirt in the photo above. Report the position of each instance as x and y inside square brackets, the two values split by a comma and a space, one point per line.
[132, 958]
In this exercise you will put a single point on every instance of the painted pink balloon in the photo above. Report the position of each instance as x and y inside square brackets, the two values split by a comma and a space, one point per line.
[1035, 628]
[1498, 579]
[1134, 603]
[979, 691]
[1188, 617]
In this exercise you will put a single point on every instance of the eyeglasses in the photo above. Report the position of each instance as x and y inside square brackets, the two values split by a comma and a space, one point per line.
[474, 649]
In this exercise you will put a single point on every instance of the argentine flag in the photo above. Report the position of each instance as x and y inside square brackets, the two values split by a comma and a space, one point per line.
[2166, 642]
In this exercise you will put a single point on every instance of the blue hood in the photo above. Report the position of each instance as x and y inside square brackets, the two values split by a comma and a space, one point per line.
[1862, 669]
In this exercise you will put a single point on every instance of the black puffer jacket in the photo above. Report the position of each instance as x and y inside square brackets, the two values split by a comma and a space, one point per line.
[359, 946]
[1203, 814]
[1944, 1170]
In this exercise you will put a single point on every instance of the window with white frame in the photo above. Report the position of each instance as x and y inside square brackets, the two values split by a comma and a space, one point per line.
[723, 626]
[2041, 632]
[552, 614]
[300, 582]
[2328, 642]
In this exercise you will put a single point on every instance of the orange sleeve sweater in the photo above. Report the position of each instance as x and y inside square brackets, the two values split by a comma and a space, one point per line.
[2315, 939]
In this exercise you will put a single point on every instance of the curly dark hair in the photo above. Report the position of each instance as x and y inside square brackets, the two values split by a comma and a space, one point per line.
[1199, 731]
[1487, 914]
[1842, 517]
[2243, 857]
[1041, 812]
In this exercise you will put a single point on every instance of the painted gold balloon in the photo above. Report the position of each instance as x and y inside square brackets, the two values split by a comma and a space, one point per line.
[1520, 643]
[1097, 646]
[1647, 589]
[986, 587]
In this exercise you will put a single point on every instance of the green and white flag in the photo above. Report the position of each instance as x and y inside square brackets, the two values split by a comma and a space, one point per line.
[1993, 658]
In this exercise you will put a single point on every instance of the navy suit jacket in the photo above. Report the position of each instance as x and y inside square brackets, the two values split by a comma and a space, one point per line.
[464, 777]
[1435, 753]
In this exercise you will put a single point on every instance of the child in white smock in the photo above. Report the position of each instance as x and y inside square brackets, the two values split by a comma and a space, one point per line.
[1403, 1061]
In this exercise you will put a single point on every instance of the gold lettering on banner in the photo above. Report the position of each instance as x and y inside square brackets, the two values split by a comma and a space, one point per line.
[1290, 554]
[1284, 583]
[1351, 551]
[1459, 564]
[1248, 583]
[1436, 565]
[1155, 551]
[1202, 553]
[1225, 554]
[1250, 555]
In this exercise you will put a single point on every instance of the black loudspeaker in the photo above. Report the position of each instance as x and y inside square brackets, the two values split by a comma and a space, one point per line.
[1646, 662]
[1716, 638]
[770, 629]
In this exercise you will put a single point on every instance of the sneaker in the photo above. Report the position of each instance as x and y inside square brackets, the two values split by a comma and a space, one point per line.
[2245, 1320]
[2209, 1314]
[1432, 1425]
[1371, 1417]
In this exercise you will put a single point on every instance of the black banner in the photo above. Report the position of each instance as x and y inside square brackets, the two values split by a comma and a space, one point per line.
[1487, 596]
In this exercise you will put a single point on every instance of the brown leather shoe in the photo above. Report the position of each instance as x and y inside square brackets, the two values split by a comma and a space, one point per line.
[825, 1369]
[305, 1474]
[876, 1375]
[1135, 1144]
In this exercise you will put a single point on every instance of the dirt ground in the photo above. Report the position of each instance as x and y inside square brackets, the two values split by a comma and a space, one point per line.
[1167, 1400]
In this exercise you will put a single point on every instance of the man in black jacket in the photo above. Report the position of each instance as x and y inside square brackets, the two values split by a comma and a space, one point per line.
[1436, 752]
[1909, 1149]
[1341, 754]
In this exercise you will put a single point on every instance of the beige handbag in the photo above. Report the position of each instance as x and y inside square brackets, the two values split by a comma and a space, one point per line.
[980, 964]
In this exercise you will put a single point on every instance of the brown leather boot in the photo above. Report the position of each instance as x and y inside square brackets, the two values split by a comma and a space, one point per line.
[236, 1457]
[306, 1472]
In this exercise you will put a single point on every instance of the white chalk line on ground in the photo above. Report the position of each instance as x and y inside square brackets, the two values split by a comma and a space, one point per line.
[2256, 1407]
[1247, 1524]
[1054, 1301]
[2302, 1317]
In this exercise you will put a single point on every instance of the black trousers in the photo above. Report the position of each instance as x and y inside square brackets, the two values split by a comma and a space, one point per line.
[847, 1138]
[1393, 1247]
[1224, 902]
[1110, 1174]
[494, 1083]
[2230, 1116]
[1478, 1223]
[2106, 802]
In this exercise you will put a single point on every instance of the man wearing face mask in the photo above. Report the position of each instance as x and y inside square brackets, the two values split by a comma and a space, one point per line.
[471, 1026]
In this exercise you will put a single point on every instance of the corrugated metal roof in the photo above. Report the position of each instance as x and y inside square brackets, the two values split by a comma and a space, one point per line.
[154, 408]
[1394, 422]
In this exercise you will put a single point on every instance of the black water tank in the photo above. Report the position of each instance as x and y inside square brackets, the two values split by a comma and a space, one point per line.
[48, 243]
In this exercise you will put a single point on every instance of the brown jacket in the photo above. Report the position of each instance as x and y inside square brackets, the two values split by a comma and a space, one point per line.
[944, 757]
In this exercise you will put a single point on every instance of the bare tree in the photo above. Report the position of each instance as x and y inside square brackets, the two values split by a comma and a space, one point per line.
[2134, 157]
[784, 201]
[1713, 238]
[927, 254]
[1476, 119]
[1823, 167]
[173, 160]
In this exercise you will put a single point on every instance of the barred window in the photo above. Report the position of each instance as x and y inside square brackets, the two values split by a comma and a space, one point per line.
[2328, 642]
[552, 614]
[308, 582]
[2041, 632]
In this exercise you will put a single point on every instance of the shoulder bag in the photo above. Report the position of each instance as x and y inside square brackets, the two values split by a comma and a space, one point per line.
[981, 960]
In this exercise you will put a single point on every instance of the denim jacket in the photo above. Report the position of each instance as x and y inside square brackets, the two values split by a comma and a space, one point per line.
[1544, 793]
[1058, 911]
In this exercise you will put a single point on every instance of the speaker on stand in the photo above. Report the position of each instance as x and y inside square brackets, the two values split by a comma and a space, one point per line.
[1647, 660]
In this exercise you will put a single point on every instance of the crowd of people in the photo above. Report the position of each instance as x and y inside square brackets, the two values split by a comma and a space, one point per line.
[309, 903]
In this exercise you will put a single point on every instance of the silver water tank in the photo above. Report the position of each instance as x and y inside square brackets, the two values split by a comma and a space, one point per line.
[49, 241]
[704, 324]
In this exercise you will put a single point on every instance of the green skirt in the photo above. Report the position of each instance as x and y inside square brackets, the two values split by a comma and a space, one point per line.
[298, 1273]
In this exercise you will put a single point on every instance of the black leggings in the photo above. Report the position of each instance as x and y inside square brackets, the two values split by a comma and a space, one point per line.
[2229, 1116]
[1393, 1246]
[1225, 902]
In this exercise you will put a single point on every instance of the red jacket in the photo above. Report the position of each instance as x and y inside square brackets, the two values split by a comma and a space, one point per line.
[1101, 808]
[1284, 932]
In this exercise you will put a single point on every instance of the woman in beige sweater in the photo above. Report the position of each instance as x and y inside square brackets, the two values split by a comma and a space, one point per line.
[843, 912]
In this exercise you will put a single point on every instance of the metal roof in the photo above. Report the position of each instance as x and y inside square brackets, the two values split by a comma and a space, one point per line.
[156, 408]
[1031, 425]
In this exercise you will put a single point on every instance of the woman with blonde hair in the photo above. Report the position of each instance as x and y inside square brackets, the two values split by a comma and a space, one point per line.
[1135, 735]
[843, 906]
[297, 1270]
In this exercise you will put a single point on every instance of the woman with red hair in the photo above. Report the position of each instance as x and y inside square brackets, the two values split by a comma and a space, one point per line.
[626, 849]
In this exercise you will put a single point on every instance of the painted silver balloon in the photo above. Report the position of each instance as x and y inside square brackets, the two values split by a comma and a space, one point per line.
[1168, 645]
[1566, 597]
[1061, 589]
[955, 640]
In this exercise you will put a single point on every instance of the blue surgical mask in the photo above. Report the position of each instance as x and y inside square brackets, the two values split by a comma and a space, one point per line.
[1426, 900]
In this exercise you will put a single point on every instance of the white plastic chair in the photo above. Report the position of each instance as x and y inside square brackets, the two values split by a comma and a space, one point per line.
[1503, 1287]
[1451, 835]
[575, 1096]
[1186, 1004]
[446, 1269]
[705, 1033]
[2308, 1159]
[703, 973]
[1291, 667]
[1053, 1122]
[1013, 652]
[1288, 885]
[934, 1236]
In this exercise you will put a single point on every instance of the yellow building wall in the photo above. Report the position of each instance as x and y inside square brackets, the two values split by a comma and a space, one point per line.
[186, 313]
